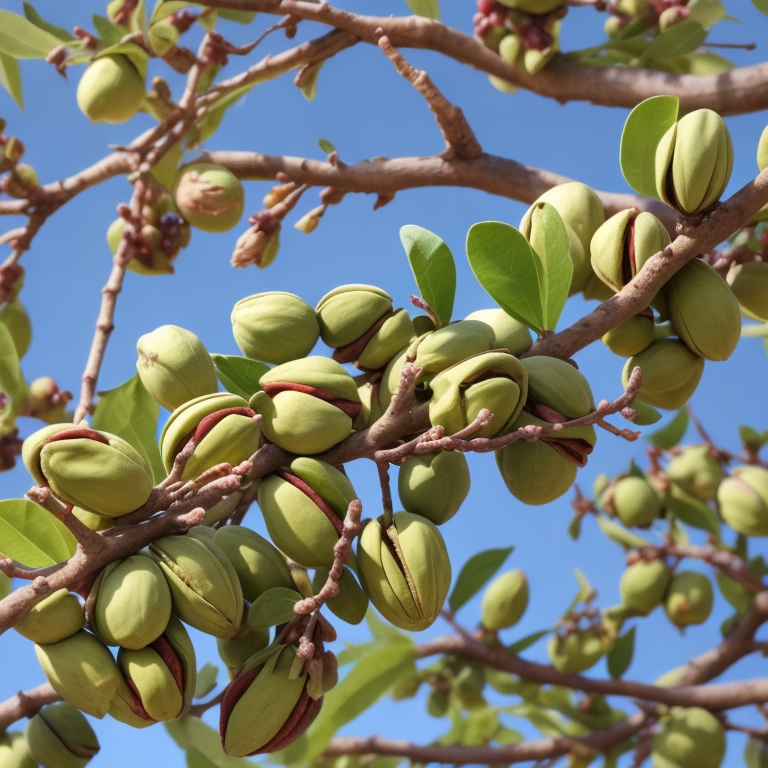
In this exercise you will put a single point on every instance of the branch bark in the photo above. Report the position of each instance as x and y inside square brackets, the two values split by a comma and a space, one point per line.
[26, 704]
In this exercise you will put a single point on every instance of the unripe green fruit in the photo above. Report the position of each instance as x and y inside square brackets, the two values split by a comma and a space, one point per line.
[448, 346]
[762, 150]
[510, 48]
[304, 508]
[630, 337]
[694, 160]
[532, 6]
[259, 566]
[438, 702]
[635, 501]
[703, 310]
[749, 283]
[111, 90]
[505, 600]
[405, 569]
[558, 385]
[347, 312]
[14, 751]
[235, 652]
[209, 196]
[156, 261]
[55, 618]
[16, 320]
[671, 373]
[97, 471]
[632, 7]
[434, 485]
[643, 585]
[351, 604]
[174, 366]
[689, 738]
[59, 736]
[275, 327]
[756, 753]
[92, 520]
[689, 599]
[509, 334]
[205, 590]
[575, 653]
[743, 501]
[82, 671]
[697, 472]
[130, 603]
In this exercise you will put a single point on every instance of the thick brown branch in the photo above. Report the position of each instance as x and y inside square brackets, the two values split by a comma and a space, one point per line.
[730, 93]
[26, 704]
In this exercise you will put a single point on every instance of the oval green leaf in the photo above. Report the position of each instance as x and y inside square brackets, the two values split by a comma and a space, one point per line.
[10, 77]
[679, 39]
[5, 586]
[239, 375]
[621, 654]
[430, 9]
[206, 679]
[273, 607]
[32, 536]
[191, 733]
[22, 39]
[433, 268]
[645, 126]
[620, 535]
[475, 574]
[672, 433]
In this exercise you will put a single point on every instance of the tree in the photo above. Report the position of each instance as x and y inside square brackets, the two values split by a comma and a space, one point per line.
[478, 680]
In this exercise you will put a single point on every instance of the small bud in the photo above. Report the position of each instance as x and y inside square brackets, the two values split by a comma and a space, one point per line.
[505, 600]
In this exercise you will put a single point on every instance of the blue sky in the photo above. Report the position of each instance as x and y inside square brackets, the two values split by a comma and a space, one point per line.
[366, 110]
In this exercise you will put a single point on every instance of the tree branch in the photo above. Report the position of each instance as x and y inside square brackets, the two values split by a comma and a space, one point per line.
[26, 704]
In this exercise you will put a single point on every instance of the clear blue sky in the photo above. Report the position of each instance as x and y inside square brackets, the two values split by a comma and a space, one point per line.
[366, 110]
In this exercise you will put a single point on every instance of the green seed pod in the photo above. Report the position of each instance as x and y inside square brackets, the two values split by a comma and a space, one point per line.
[307, 406]
[130, 603]
[370, 411]
[505, 600]
[631, 336]
[209, 196]
[259, 566]
[643, 585]
[749, 283]
[205, 590]
[304, 509]
[468, 687]
[689, 599]
[275, 327]
[391, 378]
[351, 604]
[694, 160]
[14, 751]
[59, 736]
[510, 48]
[621, 246]
[704, 311]
[438, 702]
[434, 485]
[493, 380]
[385, 343]
[92, 520]
[534, 60]
[690, 737]
[222, 426]
[575, 653]
[509, 333]
[635, 501]
[743, 501]
[55, 618]
[405, 569]
[111, 90]
[535, 7]
[582, 213]
[82, 671]
[221, 510]
[16, 320]
[697, 472]
[94, 470]
[267, 707]
[451, 344]
[158, 681]
[174, 366]
[349, 312]
[235, 652]
[671, 373]
[756, 753]
[554, 384]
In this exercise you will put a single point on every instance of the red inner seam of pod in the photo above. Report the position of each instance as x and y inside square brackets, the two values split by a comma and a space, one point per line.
[346, 406]
[307, 490]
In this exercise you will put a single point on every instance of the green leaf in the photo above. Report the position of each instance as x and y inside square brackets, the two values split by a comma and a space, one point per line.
[475, 574]
[619, 535]
[197, 759]
[758, 565]
[33, 16]
[586, 590]
[727, 626]
[691, 511]
[10, 78]
[528, 641]
[430, 9]
[505, 736]
[239, 375]
[635, 471]
[508, 268]
[574, 529]
[737, 596]
[326, 146]
[751, 438]
[645, 126]
[482, 725]
[455, 733]
[672, 433]
[273, 607]
[10, 372]
[547, 723]
[309, 81]
[621, 654]
[707, 12]
[32, 536]
[761, 5]
[679, 39]
[192, 734]
[130, 412]
[433, 268]
[241, 17]
[206, 680]
[162, 37]
[365, 684]
[137, 55]
[554, 267]
[5, 586]
[109, 33]
[385, 631]
[756, 752]
[165, 8]
[353, 653]
[22, 39]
